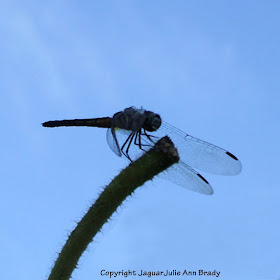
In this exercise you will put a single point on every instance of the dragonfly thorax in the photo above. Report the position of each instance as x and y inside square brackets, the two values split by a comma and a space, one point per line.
[135, 119]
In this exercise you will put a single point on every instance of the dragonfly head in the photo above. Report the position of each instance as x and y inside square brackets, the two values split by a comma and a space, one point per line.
[152, 121]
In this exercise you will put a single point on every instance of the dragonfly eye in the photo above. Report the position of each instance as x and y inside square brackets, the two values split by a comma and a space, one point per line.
[152, 122]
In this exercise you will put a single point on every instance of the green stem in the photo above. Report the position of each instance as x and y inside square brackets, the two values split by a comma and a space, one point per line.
[156, 160]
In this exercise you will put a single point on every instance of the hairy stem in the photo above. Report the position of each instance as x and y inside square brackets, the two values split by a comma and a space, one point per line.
[156, 160]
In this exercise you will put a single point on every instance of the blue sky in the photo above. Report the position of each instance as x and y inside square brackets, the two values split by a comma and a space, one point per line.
[211, 68]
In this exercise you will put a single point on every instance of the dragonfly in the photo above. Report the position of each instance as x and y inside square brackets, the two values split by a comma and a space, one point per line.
[132, 132]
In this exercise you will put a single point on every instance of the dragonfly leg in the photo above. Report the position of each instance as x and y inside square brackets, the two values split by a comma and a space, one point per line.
[138, 137]
[128, 140]
[139, 142]
[132, 135]
[149, 136]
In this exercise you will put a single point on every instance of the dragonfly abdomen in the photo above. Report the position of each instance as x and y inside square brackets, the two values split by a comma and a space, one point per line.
[97, 122]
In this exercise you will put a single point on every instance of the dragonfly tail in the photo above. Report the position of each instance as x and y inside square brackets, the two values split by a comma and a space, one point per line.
[98, 122]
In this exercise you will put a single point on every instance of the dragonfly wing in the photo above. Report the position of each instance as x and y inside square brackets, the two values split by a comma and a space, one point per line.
[112, 141]
[180, 173]
[200, 154]
[186, 177]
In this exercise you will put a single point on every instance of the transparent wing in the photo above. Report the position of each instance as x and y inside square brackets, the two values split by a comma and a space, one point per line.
[180, 173]
[112, 141]
[186, 177]
[200, 154]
